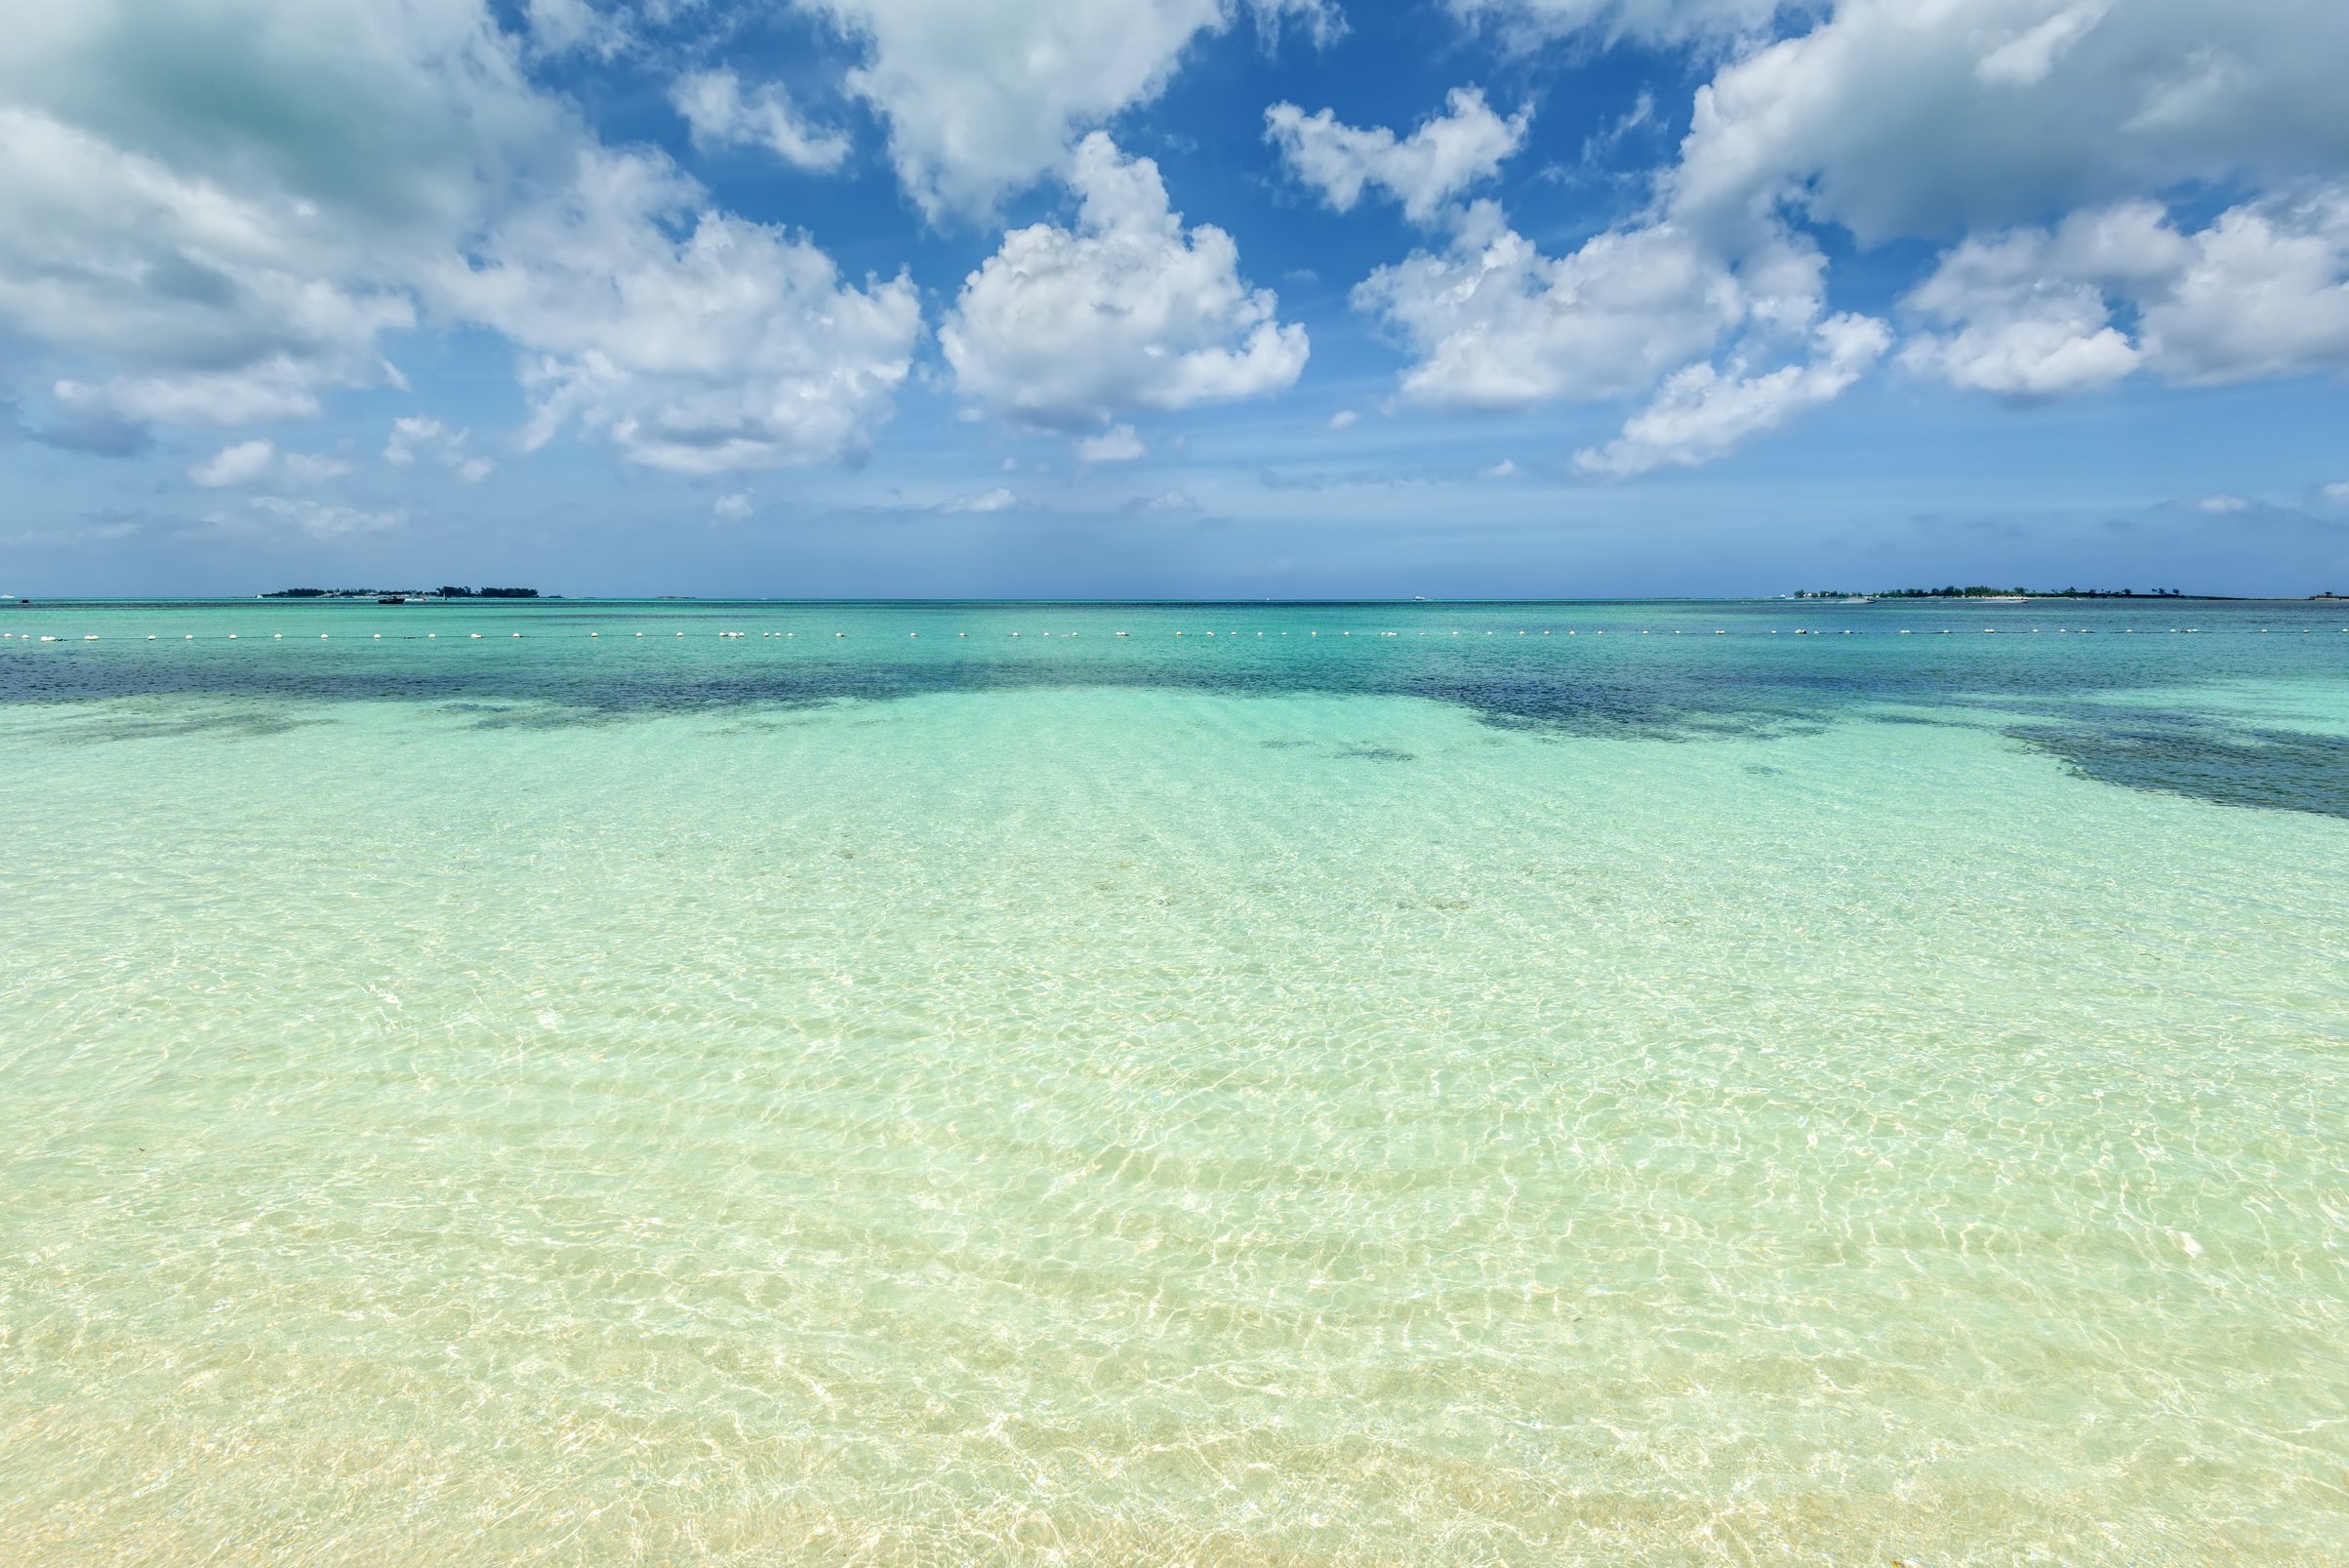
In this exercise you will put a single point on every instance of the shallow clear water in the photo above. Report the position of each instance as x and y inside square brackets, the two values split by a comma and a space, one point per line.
[1636, 1097]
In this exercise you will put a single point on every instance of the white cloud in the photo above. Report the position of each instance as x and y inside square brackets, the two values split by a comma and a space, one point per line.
[1894, 118]
[2262, 291]
[233, 256]
[1443, 158]
[1342, 420]
[1494, 324]
[1505, 468]
[1525, 22]
[1117, 444]
[1968, 120]
[2337, 491]
[1701, 413]
[408, 433]
[565, 27]
[733, 346]
[323, 519]
[986, 501]
[238, 464]
[718, 114]
[731, 509]
[2223, 506]
[413, 434]
[1065, 327]
[981, 100]
[311, 468]
[249, 462]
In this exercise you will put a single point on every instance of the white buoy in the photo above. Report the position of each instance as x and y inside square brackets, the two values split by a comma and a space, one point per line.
[322, 636]
[640, 634]
[517, 636]
[379, 636]
[232, 637]
[151, 636]
[278, 636]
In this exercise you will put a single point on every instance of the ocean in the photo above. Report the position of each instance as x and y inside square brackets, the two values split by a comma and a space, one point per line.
[1303, 1084]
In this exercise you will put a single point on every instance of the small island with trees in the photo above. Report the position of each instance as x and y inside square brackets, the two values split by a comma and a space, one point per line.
[420, 595]
[1980, 591]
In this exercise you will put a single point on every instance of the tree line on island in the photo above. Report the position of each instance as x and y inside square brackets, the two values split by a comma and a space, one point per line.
[1981, 591]
[444, 591]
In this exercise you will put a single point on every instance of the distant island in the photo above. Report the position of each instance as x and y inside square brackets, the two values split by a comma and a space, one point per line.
[1979, 591]
[444, 591]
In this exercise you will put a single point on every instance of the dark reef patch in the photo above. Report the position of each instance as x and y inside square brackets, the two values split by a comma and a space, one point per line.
[2226, 765]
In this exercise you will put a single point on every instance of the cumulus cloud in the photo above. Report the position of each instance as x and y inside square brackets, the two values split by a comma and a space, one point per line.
[1064, 328]
[249, 462]
[1342, 420]
[1526, 23]
[981, 100]
[693, 340]
[318, 518]
[719, 114]
[238, 464]
[2037, 138]
[1443, 158]
[1494, 324]
[414, 435]
[997, 500]
[1701, 413]
[232, 257]
[1896, 119]
[2263, 289]
[1117, 444]
[731, 509]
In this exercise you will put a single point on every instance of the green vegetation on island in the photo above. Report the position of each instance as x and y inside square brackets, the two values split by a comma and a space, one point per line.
[444, 591]
[1980, 591]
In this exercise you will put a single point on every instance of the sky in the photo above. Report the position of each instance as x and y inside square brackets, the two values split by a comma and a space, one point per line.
[1170, 299]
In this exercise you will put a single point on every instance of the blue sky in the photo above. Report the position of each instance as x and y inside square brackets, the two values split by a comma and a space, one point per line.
[1144, 297]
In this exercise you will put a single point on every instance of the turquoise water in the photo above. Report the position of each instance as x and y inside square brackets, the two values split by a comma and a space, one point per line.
[1294, 1095]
